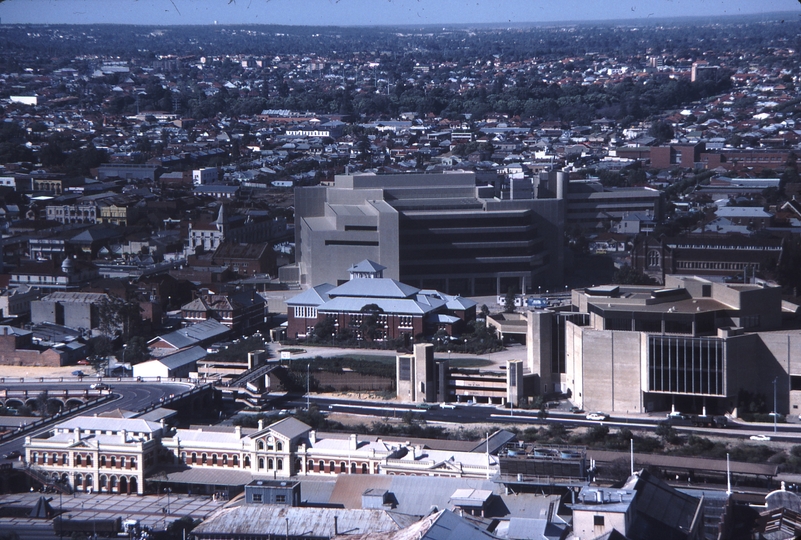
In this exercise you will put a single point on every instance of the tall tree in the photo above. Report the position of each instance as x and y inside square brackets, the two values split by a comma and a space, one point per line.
[370, 327]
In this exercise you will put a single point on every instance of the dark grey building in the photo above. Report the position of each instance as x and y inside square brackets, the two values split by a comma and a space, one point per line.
[434, 231]
[282, 492]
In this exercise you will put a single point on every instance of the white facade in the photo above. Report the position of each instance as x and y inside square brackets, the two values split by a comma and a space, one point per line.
[204, 176]
[100, 455]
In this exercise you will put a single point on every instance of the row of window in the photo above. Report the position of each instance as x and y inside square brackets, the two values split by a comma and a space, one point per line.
[725, 247]
[332, 467]
[279, 446]
[305, 312]
[203, 459]
[687, 265]
[82, 461]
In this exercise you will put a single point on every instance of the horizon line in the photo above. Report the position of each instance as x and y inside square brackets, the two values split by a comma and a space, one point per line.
[567, 22]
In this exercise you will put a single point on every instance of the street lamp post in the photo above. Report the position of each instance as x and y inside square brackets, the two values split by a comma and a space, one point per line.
[775, 413]
[308, 379]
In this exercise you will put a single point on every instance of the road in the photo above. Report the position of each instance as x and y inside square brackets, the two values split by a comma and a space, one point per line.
[130, 396]
[484, 414]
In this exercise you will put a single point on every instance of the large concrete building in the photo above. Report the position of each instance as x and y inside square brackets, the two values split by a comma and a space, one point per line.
[693, 345]
[435, 231]
[422, 378]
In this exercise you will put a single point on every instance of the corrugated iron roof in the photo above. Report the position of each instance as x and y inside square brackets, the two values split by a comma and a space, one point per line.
[443, 525]
[271, 520]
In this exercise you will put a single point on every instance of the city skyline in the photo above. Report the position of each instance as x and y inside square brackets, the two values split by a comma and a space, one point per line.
[367, 12]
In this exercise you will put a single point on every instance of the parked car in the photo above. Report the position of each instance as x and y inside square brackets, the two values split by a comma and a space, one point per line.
[597, 416]
[78, 373]
[761, 438]
[446, 405]
[99, 386]
[14, 454]
[576, 410]
[83, 362]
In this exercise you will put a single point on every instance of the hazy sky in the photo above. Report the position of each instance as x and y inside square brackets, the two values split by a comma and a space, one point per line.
[368, 12]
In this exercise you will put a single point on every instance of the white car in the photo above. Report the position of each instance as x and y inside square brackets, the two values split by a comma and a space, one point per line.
[447, 405]
[597, 416]
[761, 438]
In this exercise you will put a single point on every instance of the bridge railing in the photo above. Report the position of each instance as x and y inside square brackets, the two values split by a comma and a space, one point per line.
[64, 413]
[172, 398]
[100, 379]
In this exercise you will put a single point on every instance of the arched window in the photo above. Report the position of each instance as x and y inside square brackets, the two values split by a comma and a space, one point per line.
[654, 259]
[34, 457]
[247, 461]
[194, 458]
[204, 458]
[364, 468]
[260, 445]
[122, 462]
[214, 459]
[342, 467]
[89, 461]
[113, 461]
[279, 464]
[352, 468]
[236, 460]
[332, 467]
[78, 460]
[261, 463]
[310, 466]
[133, 462]
[102, 461]
[270, 464]
[44, 458]
[64, 459]
[225, 459]
[103, 482]
[279, 446]
[183, 457]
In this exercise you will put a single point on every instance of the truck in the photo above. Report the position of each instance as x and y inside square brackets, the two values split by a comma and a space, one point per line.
[102, 527]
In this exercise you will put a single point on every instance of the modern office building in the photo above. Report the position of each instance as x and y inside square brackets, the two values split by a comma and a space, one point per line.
[592, 206]
[692, 345]
[434, 231]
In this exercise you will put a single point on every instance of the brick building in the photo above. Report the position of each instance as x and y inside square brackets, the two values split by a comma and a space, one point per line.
[17, 349]
[705, 255]
[400, 309]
